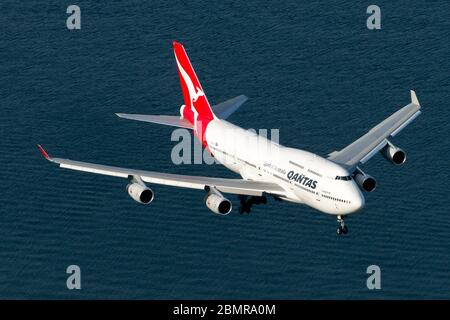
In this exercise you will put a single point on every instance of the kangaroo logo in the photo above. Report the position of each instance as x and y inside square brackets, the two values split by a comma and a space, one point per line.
[194, 93]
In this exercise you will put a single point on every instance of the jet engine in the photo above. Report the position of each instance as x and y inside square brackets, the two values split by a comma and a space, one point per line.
[394, 154]
[365, 182]
[216, 202]
[140, 192]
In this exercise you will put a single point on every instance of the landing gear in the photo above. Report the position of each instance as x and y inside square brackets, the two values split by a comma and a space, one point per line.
[342, 228]
[247, 202]
[244, 207]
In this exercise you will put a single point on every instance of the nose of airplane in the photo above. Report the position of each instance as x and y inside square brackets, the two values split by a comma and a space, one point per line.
[358, 201]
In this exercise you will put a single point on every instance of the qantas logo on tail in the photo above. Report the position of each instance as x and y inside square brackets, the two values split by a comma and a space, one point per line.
[193, 92]
[197, 106]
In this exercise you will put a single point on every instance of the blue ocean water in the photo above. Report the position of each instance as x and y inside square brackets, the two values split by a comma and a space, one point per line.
[311, 69]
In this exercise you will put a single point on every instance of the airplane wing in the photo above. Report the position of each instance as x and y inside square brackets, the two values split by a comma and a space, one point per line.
[373, 141]
[234, 186]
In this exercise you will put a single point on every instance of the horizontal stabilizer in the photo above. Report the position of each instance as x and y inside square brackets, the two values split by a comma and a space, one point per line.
[225, 109]
[174, 121]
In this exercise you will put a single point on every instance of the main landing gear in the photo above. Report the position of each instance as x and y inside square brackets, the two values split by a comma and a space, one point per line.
[342, 228]
[247, 202]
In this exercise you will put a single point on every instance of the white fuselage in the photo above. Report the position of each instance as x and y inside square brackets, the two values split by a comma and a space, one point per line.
[306, 177]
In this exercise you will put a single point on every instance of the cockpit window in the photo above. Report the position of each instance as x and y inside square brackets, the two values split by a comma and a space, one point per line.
[345, 178]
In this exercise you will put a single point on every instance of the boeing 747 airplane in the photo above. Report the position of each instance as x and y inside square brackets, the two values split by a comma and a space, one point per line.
[332, 184]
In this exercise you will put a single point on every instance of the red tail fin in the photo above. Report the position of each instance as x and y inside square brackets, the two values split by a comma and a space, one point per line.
[197, 109]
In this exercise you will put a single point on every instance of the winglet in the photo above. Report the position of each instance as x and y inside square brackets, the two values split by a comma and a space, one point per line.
[45, 154]
[414, 99]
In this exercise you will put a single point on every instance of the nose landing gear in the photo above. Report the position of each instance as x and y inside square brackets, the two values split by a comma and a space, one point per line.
[246, 203]
[342, 228]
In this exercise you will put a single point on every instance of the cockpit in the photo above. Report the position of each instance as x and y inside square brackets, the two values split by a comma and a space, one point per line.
[345, 178]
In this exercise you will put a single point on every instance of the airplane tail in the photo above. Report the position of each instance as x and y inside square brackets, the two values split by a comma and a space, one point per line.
[196, 113]
[196, 109]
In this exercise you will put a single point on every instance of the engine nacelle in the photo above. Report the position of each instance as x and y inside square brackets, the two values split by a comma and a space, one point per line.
[365, 181]
[140, 192]
[217, 203]
[394, 154]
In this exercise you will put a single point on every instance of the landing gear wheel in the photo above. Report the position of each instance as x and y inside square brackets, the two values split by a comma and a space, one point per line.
[245, 207]
[242, 207]
[344, 229]
[247, 202]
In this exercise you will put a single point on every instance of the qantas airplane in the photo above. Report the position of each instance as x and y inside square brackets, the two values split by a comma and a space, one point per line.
[332, 184]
